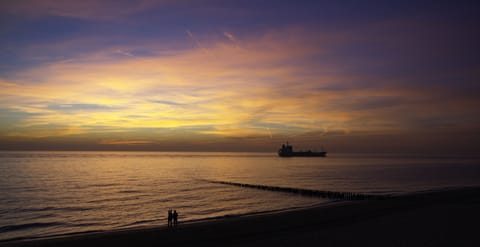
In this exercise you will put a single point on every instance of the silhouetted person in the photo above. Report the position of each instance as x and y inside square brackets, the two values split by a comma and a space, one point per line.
[170, 217]
[175, 217]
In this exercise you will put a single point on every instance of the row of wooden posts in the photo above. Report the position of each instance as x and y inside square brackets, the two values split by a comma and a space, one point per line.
[308, 192]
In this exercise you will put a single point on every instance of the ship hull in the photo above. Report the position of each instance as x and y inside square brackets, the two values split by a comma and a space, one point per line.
[303, 154]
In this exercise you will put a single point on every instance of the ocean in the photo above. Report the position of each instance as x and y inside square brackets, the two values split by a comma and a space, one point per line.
[46, 194]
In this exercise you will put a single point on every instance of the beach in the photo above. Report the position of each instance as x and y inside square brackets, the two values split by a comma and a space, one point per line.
[435, 218]
[261, 123]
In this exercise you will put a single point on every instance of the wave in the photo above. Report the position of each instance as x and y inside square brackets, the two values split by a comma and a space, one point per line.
[42, 209]
[139, 222]
[306, 192]
[130, 191]
[105, 185]
[10, 228]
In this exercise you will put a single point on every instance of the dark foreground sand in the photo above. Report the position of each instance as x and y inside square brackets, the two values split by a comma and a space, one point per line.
[448, 218]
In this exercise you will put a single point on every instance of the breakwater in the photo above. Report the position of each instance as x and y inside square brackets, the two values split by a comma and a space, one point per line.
[306, 192]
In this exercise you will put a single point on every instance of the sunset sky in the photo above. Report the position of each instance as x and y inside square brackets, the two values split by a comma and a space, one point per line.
[353, 76]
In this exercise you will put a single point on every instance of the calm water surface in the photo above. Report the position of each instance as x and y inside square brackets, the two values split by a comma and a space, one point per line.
[51, 193]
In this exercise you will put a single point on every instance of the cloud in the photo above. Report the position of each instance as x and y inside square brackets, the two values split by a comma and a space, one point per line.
[195, 40]
[86, 9]
[81, 107]
[281, 83]
[128, 54]
[167, 102]
[125, 142]
[230, 37]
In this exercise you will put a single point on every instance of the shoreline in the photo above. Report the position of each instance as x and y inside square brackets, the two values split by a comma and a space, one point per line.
[164, 226]
[409, 220]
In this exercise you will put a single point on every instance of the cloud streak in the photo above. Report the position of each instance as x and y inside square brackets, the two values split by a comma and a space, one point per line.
[87, 9]
[231, 89]
[128, 54]
[230, 37]
[298, 81]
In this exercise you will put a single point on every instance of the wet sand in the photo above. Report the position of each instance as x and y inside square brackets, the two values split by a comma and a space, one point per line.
[447, 218]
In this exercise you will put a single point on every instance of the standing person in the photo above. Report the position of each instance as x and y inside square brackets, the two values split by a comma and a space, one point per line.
[170, 216]
[175, 217]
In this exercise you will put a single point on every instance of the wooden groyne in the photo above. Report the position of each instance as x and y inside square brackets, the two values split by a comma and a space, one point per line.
[306, 192]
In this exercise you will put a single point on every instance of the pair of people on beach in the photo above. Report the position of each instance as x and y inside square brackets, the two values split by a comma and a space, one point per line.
[172, 218]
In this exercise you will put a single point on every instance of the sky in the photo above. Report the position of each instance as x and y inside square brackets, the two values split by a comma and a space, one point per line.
[351, 76]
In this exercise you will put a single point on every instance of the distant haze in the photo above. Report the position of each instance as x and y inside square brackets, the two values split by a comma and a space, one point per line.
[363, 76]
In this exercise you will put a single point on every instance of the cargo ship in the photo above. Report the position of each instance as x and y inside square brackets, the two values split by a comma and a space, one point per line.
[287, 151]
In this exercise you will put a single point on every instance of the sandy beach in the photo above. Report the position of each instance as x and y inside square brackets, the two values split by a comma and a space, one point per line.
[446, 218]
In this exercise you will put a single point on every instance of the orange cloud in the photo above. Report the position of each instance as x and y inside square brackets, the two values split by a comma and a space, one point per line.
[118, 142]
[226, 90]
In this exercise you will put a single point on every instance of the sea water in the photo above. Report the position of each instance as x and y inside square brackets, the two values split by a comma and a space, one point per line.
[53, 193]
